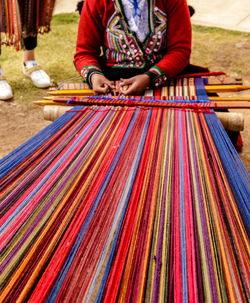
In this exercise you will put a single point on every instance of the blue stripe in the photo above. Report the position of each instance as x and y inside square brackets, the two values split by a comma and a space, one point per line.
[237, 174]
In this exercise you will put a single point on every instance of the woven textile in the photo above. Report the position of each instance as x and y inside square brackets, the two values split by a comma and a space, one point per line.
[126, 204]
[181, 91]
[22, 18]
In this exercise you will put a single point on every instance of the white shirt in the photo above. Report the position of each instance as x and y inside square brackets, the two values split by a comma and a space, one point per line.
[136, 12]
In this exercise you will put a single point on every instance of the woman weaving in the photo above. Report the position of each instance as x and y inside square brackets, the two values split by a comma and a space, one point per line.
[143, 43]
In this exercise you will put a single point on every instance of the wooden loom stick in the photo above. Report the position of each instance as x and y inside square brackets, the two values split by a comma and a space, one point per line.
[72, 92]
[230, 121]
[219, 79]
[225, 88]
[223, 105]
[209, 88]
[48, 102]
[211, 98]
[51, 113]
[230, 99]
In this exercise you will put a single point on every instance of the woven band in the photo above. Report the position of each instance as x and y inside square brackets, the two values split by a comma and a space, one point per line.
[32, 69]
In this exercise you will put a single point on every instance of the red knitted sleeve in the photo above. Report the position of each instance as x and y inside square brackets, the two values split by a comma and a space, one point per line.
[90, 37]
[178, 48]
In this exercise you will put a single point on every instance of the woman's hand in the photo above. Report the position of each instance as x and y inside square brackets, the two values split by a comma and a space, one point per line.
[100, 84]
[134, 86]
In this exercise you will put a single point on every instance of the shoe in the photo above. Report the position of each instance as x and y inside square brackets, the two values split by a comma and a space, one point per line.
[5, 89]
[36, 74]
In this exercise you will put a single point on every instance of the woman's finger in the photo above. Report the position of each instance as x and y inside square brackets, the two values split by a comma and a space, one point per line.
[129, 90]
[126, 81]
[100, 88]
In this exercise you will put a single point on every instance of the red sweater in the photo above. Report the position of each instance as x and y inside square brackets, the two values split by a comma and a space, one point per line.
[164, 52]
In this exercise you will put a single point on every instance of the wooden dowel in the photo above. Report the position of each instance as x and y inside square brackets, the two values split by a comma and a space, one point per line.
[230, 121]
[232, 105]
[211, 98]
[209, 89]
[52, 112]
[48, 102]
[230, 99]
[221, 105]
[225, 88]
[71, 92]
[224, 82]
[217, 99]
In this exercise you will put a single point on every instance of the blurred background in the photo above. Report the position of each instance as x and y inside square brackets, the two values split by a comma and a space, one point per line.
[229, 14]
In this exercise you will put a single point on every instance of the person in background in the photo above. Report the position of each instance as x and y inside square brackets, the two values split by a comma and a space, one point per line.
[141, 42]
[79, 6]
[26, 18]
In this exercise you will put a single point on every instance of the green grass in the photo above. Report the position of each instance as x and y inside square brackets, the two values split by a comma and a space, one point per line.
[221, 49]
[54, 53]
[217, 30]
[215, 48]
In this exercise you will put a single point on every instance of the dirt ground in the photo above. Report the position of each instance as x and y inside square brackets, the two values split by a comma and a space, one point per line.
[20, 122]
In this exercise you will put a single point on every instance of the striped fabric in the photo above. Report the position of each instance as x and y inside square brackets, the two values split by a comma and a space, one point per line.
[36, 15]
[10, 23]
[125, 204]
[180, 92]
[22, 18]
[184, 88]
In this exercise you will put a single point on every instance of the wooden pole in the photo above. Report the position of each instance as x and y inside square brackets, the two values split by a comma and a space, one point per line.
[225, 88]
[52, 112]
[61, 101]
[209, 89]
[230, 121]
[211, 98]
